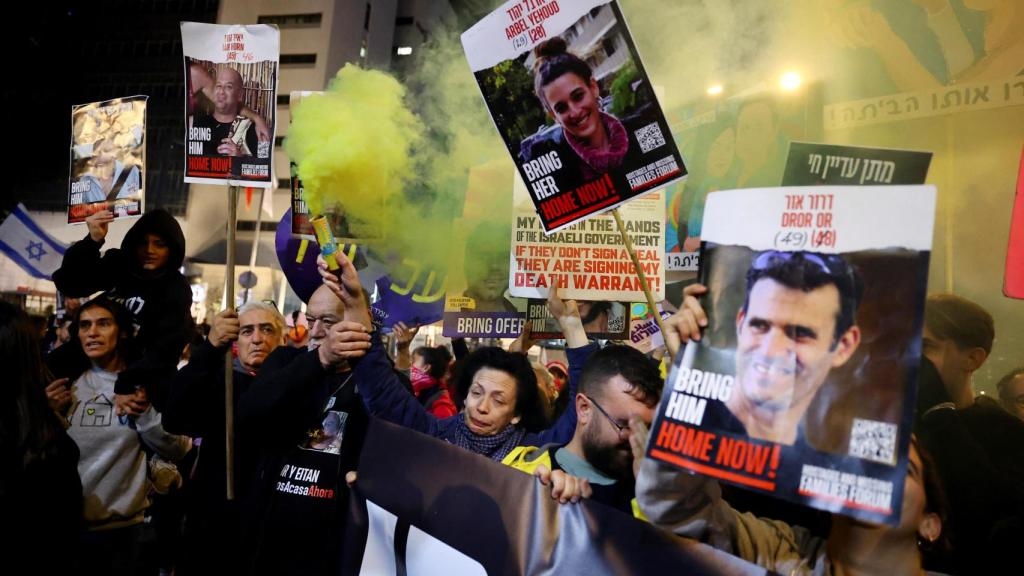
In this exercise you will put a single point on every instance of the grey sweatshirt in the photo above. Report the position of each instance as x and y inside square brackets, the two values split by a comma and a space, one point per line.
[112, 465]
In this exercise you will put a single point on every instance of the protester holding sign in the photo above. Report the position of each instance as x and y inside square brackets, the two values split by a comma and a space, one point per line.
[692, 506]
[618, 384]
[500, 387]
[110, 431]
[195, 407]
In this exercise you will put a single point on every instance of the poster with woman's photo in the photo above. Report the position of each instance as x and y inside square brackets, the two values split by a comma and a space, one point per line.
[802, 385]
[569, 95]
[230, 103]
[108, 158]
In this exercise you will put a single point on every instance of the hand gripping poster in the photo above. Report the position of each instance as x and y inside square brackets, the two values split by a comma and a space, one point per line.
[802, 385]
[108, 158]
[572, 102]
[230, 103]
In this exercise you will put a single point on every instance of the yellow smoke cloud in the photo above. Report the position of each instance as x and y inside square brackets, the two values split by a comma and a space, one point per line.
[397, 156]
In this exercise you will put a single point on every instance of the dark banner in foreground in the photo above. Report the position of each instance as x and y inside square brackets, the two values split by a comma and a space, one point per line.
[430, 507]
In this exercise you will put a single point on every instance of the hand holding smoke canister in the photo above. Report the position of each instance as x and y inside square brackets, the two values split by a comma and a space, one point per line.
[325, 238]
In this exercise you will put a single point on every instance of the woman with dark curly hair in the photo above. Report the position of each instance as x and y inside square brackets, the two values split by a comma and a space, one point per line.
[502, 407]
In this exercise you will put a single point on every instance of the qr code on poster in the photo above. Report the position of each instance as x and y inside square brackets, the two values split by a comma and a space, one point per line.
[875, 441]
[650, 137]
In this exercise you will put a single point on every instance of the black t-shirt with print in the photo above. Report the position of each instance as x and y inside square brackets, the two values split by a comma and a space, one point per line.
[306, 519]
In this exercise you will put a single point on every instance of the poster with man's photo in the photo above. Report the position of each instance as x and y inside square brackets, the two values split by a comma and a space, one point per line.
[802, 385]
[478, 303]
[569, 95]
[231, 74]
[601, 320]
[108, 158]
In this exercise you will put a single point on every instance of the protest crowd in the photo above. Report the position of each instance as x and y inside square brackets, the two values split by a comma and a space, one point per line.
[797, 401]
[148, 495]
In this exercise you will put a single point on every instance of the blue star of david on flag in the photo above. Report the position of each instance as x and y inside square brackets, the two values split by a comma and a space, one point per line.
[29, 246]
[35, 251]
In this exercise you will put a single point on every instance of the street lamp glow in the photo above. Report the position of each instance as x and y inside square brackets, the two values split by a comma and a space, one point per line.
[715, 90]
[790, 81]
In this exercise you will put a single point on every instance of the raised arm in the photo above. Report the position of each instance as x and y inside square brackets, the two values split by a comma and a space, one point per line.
[384, 395]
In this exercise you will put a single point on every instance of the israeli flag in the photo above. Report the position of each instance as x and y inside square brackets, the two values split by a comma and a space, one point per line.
[23, 241]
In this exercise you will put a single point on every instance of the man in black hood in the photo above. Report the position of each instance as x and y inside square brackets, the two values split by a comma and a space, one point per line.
[143, 276]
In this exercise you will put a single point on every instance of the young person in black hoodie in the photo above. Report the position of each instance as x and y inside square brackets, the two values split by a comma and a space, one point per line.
[143, 276]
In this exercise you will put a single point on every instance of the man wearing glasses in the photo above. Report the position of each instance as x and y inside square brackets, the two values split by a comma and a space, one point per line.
[797, 323]
[618, 383]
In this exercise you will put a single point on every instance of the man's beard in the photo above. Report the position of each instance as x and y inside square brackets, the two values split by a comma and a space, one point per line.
[610, 460]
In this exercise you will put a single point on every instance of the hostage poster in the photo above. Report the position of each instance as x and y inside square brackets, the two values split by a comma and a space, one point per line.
[478, 303]
[569, 95]
[803, 384]
[601, 320]
[230, 103]
[108, 158]
[588, 260]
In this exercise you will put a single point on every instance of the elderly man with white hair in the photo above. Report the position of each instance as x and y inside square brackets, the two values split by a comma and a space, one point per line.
[213, 524]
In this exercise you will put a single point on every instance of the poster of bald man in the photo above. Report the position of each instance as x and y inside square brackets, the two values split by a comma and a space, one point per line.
[231, 76]
[802, 384]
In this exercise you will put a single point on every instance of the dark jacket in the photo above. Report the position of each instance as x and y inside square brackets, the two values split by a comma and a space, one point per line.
[195, 407]
[159, 302]
[285, 401]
